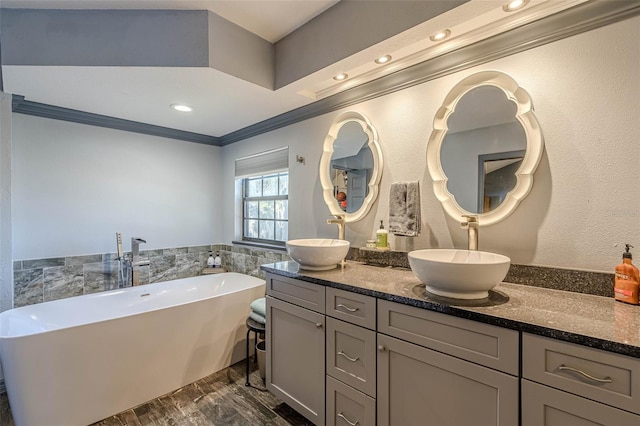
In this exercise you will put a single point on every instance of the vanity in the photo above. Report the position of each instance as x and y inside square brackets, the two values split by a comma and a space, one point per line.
[365, 345]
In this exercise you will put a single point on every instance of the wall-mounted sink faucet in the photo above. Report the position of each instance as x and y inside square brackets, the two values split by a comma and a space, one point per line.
[338, 219]
[136, 263]
[472, 230]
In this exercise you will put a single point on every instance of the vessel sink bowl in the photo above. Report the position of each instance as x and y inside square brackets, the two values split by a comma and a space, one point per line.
[318, 254]
[459, 274]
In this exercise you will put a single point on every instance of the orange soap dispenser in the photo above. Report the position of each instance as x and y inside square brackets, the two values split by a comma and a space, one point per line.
[627, 279]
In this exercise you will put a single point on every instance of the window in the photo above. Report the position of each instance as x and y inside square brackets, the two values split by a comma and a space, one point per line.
[265, 206]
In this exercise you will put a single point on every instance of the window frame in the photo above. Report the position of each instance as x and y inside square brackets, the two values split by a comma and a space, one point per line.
[245, 184]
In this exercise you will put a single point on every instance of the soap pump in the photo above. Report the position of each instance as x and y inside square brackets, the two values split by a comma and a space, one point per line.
[210, 260]
[627, 279]
[218, 261]
[382, 241]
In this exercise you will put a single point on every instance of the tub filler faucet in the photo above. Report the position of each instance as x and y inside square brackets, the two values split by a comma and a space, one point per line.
[136, 263]
[130, 267]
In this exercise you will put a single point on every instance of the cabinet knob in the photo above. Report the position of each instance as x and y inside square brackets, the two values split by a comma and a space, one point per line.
[319, 325]
[382, 348]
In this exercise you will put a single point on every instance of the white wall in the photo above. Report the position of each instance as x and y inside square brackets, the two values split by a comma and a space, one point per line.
[586, 195]
[6, 265]
[75, 186]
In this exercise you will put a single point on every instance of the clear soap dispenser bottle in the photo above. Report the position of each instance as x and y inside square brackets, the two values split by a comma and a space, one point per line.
[382, 240]
[627, 279]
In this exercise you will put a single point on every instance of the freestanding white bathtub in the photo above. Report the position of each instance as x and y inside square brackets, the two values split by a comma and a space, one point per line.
[78, 360]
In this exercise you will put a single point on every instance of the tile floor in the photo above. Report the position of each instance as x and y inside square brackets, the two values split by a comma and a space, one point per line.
[218, 399]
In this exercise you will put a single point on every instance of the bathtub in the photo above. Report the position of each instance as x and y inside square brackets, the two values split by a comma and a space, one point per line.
[78, 360]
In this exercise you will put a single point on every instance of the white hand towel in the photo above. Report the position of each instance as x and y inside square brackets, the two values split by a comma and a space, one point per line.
[404, 209]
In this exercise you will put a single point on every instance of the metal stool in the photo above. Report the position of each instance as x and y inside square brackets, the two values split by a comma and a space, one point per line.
[257, 328]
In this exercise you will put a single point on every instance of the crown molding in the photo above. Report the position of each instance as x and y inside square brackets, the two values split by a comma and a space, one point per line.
[22, 106]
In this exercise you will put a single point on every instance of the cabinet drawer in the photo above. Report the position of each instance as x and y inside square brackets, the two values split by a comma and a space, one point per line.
[307, 295]
[545, 406]
[346, 406]
[351, 355]
[355, 308]
[484, 344]
[603, 376]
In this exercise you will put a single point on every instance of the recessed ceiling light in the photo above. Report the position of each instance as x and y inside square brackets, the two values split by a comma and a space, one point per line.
[440, 35]
[383, 59]
[341, 76]
[181, 107]
[514, 5]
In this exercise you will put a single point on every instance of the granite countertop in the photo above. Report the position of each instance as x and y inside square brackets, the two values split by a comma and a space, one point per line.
[595, 321]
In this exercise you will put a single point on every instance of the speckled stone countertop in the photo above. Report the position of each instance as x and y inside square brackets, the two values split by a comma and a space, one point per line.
[595, 321]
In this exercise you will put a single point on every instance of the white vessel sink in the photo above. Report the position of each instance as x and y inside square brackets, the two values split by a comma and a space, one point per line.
[317, 254]
[460, 274]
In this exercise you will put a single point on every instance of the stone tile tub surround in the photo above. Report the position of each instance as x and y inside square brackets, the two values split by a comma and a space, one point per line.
[594, 321]
[42, 280]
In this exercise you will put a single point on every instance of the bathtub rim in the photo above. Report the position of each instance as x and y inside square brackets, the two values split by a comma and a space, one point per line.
[123, 290]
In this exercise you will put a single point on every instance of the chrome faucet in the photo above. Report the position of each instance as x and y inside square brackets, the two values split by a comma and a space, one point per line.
[472, 230]
[338, 219]
[136, 263]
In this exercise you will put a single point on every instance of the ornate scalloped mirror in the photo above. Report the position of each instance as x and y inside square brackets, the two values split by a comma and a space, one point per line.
[485, 146]
[351, 166]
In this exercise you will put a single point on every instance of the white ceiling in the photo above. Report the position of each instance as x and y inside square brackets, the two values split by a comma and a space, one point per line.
[223, 103]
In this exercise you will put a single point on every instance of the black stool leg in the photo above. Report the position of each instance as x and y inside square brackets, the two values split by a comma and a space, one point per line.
[255, 349]
[247, 360]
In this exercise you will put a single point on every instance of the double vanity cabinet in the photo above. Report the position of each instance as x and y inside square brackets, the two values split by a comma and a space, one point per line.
[340, 357]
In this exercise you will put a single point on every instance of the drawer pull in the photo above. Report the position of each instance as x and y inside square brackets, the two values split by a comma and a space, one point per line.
[348, 308]
[347, 420]
[348, 357]
[563, 367]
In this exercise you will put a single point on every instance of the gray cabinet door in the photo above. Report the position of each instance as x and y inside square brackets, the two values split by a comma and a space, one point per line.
[545, 406]
[419, 386]
[295, 358]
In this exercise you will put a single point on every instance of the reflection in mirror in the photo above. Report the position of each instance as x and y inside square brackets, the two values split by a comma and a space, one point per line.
[496, 177]
[476, 134]
[351, 166]
[485, 147]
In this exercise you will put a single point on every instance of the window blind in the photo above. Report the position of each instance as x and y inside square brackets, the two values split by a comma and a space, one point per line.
[265, 162]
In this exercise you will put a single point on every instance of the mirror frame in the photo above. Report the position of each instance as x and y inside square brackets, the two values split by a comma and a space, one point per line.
[524, 174]
[325, 166]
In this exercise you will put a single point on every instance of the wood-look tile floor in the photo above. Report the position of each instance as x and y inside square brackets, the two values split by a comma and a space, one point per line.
[218, 399]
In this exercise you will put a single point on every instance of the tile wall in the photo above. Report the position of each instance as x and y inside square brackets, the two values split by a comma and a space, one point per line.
[42, 280]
